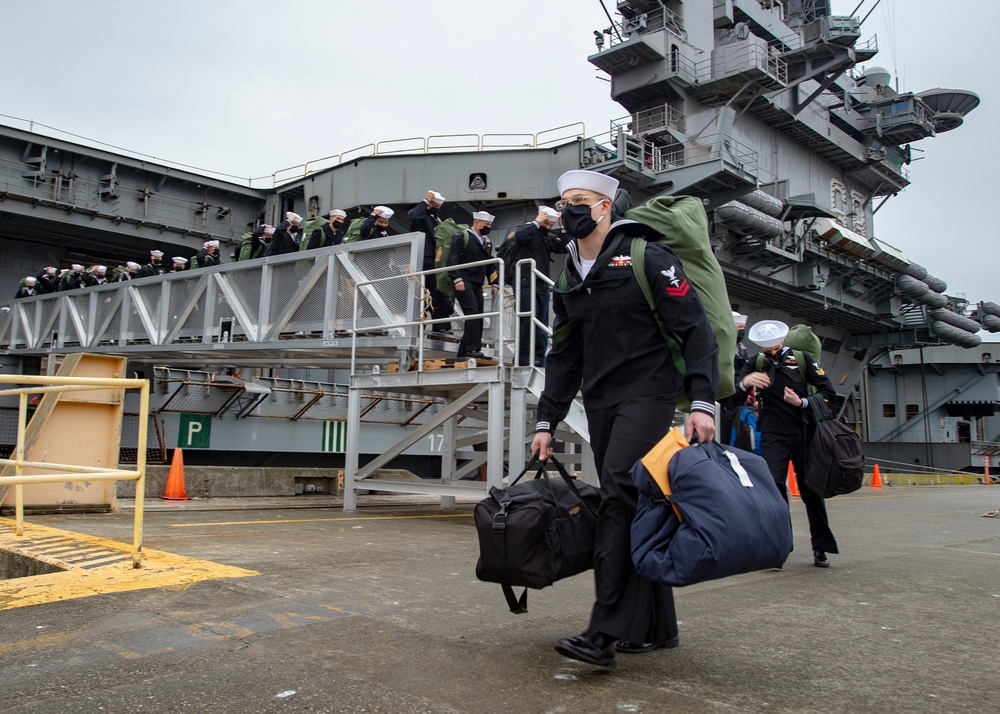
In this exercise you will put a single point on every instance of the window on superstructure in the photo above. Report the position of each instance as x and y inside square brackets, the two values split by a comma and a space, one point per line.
[889, 411]
[912, 410]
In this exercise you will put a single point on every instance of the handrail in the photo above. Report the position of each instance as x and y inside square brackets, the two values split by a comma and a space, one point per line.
[564, 137]
[422, 140]
[479, 142]
[500, 341]
[74, 472]
[472, 147]
[659, 19]
[325, 158]
[519, 267]
[422, 324]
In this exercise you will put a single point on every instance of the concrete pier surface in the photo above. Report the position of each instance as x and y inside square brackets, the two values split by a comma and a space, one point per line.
[380, 611]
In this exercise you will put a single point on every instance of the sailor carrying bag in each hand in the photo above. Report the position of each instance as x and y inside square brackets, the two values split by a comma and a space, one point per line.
[535, 532]
[706, 511]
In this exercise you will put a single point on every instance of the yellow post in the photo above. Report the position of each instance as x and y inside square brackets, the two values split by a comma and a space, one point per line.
[140, 483]
[22, 418]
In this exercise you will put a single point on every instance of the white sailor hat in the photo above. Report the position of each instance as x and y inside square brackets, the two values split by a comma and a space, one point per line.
[769, 333]
[384, 211]
[134, 266]
[269, 230]
[182, 261]
[483, 216]
[739, 319]
[337, 212]
[213, 243]
[102, 268]
[550, 213]
[156, 253]
[50, 271]
[589, 181]
[293, 217]
[77, 267]
[30, 280]
[438, 198]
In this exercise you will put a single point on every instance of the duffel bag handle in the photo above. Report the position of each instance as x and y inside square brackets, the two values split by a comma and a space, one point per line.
[532, 462]
[543, 473]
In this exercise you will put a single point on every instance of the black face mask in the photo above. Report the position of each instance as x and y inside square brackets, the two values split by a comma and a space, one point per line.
[337, 225]
[485, 231]
[740, 335]
[577, 221]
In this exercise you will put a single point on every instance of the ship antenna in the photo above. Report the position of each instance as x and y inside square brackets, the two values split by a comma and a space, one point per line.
[870, 11]
[612, 21]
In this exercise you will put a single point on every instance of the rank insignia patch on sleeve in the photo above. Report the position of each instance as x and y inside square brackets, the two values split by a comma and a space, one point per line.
[678, 286]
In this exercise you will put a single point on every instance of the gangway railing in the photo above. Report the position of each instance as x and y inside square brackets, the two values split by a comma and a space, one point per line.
[69, 473]
[250, 310]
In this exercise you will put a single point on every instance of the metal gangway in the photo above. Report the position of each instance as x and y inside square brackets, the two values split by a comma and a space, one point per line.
[359, 307]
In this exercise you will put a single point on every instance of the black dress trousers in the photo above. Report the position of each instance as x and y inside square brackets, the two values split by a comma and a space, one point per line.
[626, 606]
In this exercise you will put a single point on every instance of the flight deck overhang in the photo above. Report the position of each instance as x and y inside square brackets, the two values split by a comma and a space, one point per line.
[12, 136]
[74, 197]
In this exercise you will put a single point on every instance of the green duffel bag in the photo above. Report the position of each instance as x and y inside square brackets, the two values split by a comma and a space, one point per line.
[801, 337]
[308, 227]
[354, 230]
[445, 231]
[682, 222]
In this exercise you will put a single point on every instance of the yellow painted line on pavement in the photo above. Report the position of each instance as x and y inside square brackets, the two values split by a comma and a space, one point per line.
[345, 519]
[107, 568]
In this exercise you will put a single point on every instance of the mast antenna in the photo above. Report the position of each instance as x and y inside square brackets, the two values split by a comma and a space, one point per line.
[612, 21]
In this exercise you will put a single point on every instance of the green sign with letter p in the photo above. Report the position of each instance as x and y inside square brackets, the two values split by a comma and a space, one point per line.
[195, 431]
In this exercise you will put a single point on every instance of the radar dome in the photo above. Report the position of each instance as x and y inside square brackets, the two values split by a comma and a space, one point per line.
[876, 76]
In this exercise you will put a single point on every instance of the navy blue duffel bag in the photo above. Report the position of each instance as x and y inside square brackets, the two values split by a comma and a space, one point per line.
[706, 511]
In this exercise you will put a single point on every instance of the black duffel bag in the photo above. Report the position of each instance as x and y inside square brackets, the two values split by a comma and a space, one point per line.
[835, 464]
[536, 532]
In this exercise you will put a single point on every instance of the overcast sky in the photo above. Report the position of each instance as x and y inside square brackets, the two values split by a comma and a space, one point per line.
[247, 87]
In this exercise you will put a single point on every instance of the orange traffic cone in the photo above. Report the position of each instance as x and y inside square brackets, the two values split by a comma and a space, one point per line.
[175, 490]
[793, 485]
[876, 479]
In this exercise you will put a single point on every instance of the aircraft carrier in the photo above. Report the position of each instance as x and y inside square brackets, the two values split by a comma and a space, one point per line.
[771, 112]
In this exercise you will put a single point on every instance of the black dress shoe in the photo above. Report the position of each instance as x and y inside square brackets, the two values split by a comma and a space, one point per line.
[592, 647]
[637, 648]
[820, 560]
